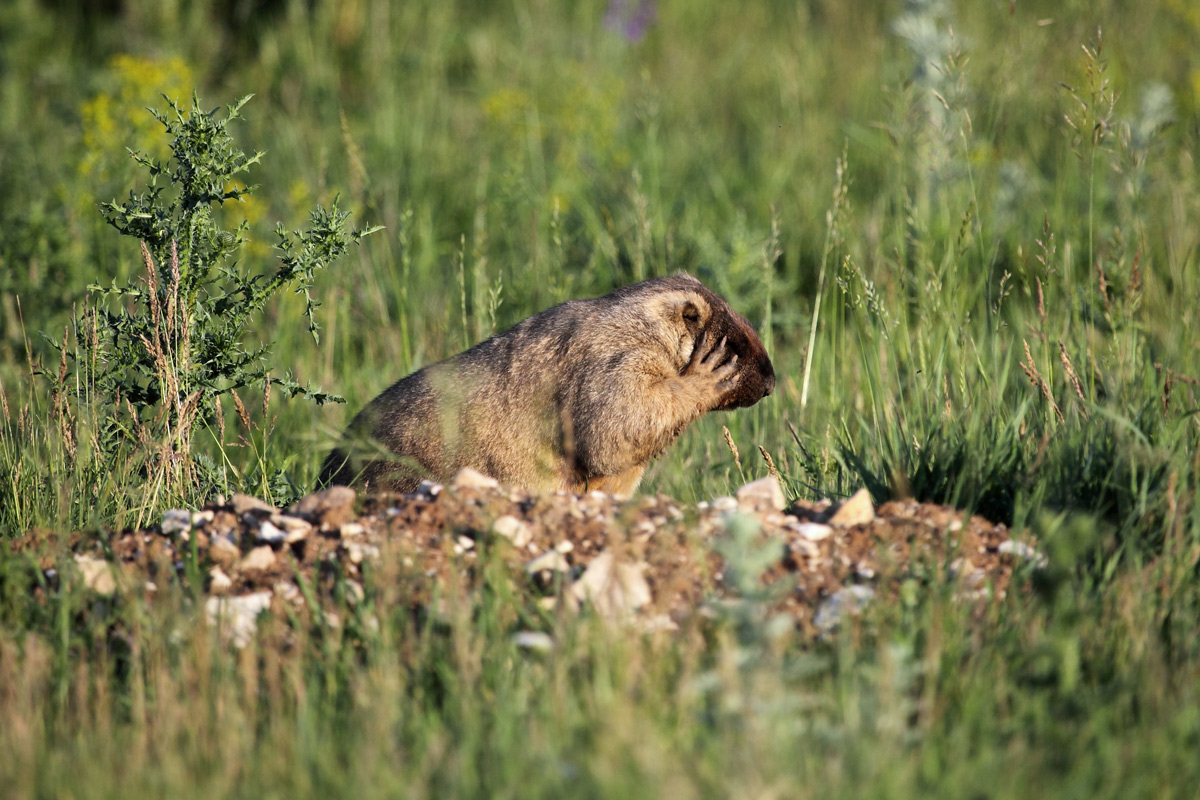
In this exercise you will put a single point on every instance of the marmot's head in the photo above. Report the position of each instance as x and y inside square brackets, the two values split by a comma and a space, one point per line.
[697, 316]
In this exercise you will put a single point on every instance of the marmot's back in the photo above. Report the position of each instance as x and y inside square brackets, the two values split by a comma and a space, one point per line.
[579, 396]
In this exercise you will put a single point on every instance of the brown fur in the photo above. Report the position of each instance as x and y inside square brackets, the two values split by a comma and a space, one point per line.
[580, 396]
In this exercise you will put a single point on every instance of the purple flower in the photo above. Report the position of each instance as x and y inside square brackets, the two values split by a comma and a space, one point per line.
[630, 18]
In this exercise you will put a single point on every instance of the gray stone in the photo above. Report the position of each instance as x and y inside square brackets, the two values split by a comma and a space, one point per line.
[533, 640]
[513, 529]
[259, 558]
[1022, 552]
[848, 600]
[550, 561]
[328, 508]
[244, 503]
[270, 534]
[97, 574]
[856, 510]
[764, 494]
[237, 617]
[218, 581]
[613, 589]
[813, 531]
[176, 520]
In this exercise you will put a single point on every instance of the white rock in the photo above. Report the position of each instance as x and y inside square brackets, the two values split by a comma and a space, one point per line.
[296, 529]
[1022, 551]
[856, 510]
[358, 552]
[428, 490]
[848, 600]
[176, 520]
[259, 558]
[724, 504]
[565, 546]
[237, 617]
[805, 548]
[468, 478]
[288, 592]
[764, 494]
[218, 581]
[244, 503]
[351, 529]
[270, 534]
[513, 529]
[97, 574]
[219, 546]
[813, 531]
[551, 560]
[533, 640]
[613, 589]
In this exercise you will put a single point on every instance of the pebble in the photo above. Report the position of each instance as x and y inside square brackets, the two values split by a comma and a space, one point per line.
[613, 589]
[1022, 551]
[856, 510]
[813, 531]
[223, 551]
[723, 504]
[513, 529]
[237, 616]
[244, 504]
[97, 574]
[468, 478]
[176, 520]
[351, 529]
[288, 592]
[848, 600]
[533, 640]
[270, 534]
[764, 494]
[329, 508]
[259, 558]
[358, 552]
[803, 547]
[428, 490]
[550, 561]
[218, 581]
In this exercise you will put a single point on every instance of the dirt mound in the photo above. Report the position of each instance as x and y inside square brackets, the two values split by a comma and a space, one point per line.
[650, 560]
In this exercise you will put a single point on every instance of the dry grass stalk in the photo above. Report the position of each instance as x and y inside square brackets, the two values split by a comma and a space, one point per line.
[737, 461]
[1076, 384]
[242, 413]
[1035, 378]
[771, 470]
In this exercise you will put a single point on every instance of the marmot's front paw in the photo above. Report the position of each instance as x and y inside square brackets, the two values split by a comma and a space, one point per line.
[715, 369]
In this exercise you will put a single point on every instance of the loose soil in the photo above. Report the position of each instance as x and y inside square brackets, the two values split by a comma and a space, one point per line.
[244, 547]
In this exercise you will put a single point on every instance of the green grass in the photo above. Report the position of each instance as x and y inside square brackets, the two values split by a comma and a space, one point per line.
[1022, 193]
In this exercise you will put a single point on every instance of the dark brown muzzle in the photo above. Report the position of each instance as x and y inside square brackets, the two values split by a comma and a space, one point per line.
[756, 374]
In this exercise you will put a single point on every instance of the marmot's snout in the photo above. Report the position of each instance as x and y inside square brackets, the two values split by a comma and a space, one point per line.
[756, 374]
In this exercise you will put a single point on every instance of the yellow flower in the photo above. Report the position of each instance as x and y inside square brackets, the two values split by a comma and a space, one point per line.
[116, 119]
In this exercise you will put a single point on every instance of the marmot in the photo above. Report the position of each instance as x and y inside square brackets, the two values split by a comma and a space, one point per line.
[578, 397]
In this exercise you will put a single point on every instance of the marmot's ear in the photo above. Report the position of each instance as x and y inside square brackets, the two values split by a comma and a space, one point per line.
[690, 313]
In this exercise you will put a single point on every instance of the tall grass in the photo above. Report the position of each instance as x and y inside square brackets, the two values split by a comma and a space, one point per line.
[966, 232]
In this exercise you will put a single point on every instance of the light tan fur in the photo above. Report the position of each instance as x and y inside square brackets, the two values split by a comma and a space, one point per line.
[580, 396]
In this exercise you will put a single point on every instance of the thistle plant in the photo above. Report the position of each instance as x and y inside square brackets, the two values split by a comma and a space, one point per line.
[158, 359]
